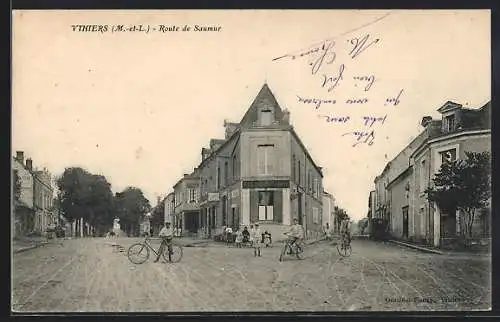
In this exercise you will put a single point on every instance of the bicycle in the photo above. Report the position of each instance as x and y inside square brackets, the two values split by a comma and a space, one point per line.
[291, 249]
[142, 250]
[344, 248]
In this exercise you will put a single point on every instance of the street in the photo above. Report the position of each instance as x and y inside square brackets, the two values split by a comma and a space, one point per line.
[89, 275]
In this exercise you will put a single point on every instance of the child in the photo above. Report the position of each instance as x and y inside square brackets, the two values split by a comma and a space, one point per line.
[267, 239]
[256, 240]
[239, 238]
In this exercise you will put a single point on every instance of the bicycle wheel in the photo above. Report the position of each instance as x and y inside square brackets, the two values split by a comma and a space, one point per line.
[347, 250]
[299, 252]
[283, 252]
[138, 253]
[176, 254]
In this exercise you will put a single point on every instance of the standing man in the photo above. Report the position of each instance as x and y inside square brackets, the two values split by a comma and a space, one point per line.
[166, 234]
[257, 238]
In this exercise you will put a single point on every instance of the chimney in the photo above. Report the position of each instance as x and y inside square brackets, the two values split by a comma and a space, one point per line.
[286, 117]
[426, 120]
[29, 164]
[20, 156]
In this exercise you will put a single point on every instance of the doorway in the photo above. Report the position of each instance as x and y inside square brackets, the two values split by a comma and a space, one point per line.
[299, 208]
[405, 222]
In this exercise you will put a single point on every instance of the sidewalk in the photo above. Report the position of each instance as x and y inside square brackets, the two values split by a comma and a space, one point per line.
[26, 243]
[438, 251]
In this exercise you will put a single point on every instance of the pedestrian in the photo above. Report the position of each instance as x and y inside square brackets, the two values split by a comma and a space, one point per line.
[257, 241]
[229, 235]
[251, 234]
[166, 234]
[246, 235]
[239, 237]
[267, 239]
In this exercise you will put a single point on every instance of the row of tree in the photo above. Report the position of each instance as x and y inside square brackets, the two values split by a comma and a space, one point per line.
[82, 194]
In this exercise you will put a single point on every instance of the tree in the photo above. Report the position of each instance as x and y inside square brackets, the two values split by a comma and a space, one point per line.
[131, 206]
[158, 214]
[464, 185]
[85, 195]
[362, 225]
[340, 214]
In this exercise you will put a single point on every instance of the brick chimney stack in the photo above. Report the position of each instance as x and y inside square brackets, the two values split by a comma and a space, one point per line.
[29, 164]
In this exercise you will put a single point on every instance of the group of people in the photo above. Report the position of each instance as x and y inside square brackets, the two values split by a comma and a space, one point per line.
[242, 236]
[254, 236]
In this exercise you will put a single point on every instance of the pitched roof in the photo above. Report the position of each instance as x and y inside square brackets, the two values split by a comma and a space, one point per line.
[264, 99]
[448, 106]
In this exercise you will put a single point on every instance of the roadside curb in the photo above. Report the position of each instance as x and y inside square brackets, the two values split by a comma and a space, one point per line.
[423, 249]
[20, 250]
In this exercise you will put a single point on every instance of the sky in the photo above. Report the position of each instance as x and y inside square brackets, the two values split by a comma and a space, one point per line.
[138, 107]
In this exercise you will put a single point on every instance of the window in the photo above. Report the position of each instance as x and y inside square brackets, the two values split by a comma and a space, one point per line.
[235, 177]
[300, 174]
[226, 173]
[315, 215]
[192, 195]
[266, 205]
[315, 188]
[449, 122]
[224, 211]
[448, 155]
[266, 117]
[265, 159]
[293, 168]
[218, 177]
[422, 176]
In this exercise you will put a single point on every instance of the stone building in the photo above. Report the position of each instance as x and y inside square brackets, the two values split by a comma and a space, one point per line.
[260, 172]
[23, 212]
[186, 206]
[329, 211]
[399, 194]
[43, 194]
[169, 209]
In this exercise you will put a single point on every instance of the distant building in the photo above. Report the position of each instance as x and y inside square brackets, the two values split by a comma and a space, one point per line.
[399, 196]
[43, 192]
[186, 206]
[169, 209]
[328, 211]
[23, 207]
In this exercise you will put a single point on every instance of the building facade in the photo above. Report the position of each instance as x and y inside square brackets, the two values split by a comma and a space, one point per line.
[186, 206]
[23, 214]
[43, 194]
[329, 211]
[169, 209]
[399, 189]
[260, 172]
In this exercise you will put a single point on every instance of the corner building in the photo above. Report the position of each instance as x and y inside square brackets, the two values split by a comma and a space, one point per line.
[261, 172]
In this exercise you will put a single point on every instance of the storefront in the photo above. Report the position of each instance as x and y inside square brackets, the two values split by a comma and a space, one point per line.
[265, 201]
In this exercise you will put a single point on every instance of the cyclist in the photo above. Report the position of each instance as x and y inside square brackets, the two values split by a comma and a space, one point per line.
[296, 233]
[166, 234]
[345, 233]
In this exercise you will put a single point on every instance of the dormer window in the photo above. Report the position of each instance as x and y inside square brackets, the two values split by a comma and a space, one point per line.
[449, 123]
[266, 117]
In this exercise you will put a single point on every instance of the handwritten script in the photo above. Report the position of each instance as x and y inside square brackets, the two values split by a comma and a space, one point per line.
[330, 63]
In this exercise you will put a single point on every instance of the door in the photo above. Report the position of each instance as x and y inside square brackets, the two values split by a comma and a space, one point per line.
[299, 207]
[405, 222]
